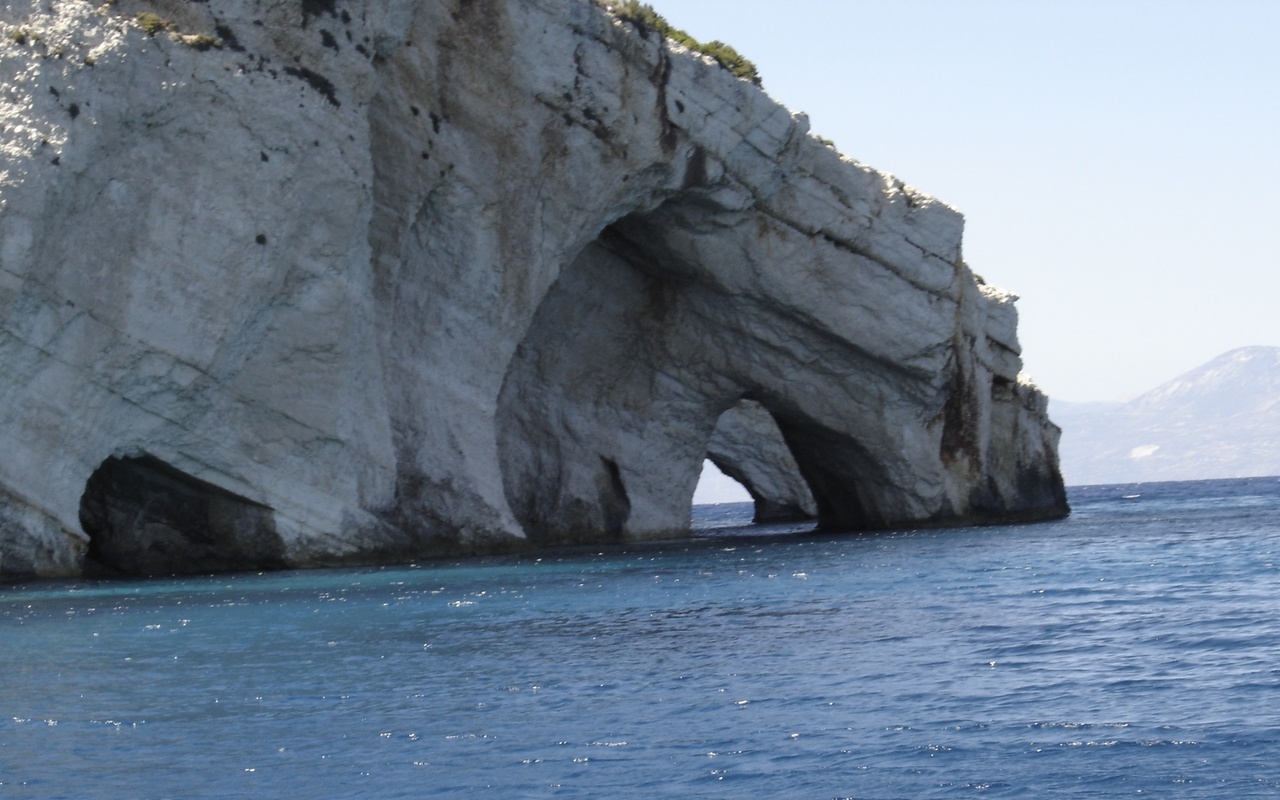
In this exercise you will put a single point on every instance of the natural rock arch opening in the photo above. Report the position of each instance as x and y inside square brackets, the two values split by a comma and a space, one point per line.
[715, 487]
[608, 402]
[634, 355]
[748, 447]
[146, 517]
[743, 352]
[851, 487]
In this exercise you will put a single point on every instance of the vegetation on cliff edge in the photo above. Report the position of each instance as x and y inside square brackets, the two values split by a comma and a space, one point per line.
[646, 19]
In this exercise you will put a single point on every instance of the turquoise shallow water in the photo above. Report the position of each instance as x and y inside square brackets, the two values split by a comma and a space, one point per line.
[1133, 648]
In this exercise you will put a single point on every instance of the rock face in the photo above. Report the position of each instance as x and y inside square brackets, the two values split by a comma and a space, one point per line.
[376, 280]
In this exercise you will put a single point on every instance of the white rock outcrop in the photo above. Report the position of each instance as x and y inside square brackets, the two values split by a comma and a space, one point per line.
[367, 281]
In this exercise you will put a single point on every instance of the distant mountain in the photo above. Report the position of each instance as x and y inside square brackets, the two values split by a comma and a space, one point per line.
[1220, 420]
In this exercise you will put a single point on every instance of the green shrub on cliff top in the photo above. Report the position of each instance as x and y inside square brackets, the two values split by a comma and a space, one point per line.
[644, 17]
[151, 23]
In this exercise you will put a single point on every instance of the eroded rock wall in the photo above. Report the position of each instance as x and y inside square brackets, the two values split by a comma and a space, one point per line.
[426, 277]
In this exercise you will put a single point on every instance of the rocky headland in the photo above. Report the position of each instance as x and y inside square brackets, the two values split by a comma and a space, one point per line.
[312, 282]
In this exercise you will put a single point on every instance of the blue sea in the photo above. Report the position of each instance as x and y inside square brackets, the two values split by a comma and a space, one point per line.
[1131, 649]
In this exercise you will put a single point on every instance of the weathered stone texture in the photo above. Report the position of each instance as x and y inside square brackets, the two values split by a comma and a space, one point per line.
[432, 276]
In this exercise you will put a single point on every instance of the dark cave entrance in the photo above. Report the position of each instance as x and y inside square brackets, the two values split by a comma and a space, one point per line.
[146, 517]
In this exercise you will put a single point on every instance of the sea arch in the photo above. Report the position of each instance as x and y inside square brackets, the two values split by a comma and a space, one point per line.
[748, 447]
[654, 331]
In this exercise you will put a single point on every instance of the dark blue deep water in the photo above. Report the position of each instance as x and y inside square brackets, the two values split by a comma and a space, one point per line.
[1132, 649]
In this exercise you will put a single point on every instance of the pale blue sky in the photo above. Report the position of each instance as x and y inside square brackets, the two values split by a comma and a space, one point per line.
[1116, 160]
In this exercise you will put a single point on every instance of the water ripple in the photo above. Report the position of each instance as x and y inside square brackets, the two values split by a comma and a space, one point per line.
[1130, 648]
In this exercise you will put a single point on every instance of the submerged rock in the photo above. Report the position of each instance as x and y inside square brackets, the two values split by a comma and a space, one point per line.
[381, 280]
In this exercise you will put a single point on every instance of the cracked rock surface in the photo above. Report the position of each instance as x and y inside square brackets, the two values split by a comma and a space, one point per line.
[370, 281]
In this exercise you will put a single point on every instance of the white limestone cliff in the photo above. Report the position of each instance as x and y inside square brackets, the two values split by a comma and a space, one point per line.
[375, 280]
